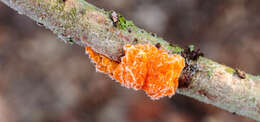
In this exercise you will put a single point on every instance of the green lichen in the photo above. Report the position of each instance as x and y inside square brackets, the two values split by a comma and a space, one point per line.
[60, 7]
[57, 5]
[230, 70]
[175, 49]
[124, 24]
[191, 47]
[72, 13]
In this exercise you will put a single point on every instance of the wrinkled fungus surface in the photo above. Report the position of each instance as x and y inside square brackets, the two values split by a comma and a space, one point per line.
[144, 67]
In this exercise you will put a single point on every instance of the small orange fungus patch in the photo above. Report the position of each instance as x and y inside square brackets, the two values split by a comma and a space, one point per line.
[103, 63]
[144, 67]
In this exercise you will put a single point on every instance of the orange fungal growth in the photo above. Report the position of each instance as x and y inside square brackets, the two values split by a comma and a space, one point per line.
[144, 67]
[103, 63]
[133, 69]
[164, 71]
[151, 69]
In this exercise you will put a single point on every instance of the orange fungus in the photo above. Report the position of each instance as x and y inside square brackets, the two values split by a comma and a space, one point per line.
[144, 67]
[103, 63]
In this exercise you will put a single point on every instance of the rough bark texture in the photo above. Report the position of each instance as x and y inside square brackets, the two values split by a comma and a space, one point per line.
[77, 21]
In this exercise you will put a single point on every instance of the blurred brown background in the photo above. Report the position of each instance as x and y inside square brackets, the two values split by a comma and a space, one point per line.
[44, 80]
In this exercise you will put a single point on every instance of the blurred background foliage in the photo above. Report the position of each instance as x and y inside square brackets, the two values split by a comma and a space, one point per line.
[45, 80]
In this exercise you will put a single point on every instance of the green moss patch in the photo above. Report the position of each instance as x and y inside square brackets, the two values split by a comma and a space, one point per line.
[124, 24]
[175, 49]
[230, 70]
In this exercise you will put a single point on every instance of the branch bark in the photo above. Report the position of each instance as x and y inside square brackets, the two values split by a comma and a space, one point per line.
[84, 24]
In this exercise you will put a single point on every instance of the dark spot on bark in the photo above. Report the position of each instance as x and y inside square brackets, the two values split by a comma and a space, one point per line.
[187, 75]
[234, 113]
[122, 54]
[202, 92]
[129, 30]
[158, 45]
[206, 94]
[184, 81]
[190, 68]
[192, 54]
[241, 74]
[40, 24]
[114, 17]
[153, 34]
[135, 41]
[71, 41]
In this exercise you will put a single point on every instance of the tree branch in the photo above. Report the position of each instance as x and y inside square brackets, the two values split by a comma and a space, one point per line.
[82, 23]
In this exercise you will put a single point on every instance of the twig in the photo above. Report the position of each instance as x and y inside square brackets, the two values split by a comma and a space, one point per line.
[79, 22]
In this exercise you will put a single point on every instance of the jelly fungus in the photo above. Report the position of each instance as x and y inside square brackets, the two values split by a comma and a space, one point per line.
[143, 67]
